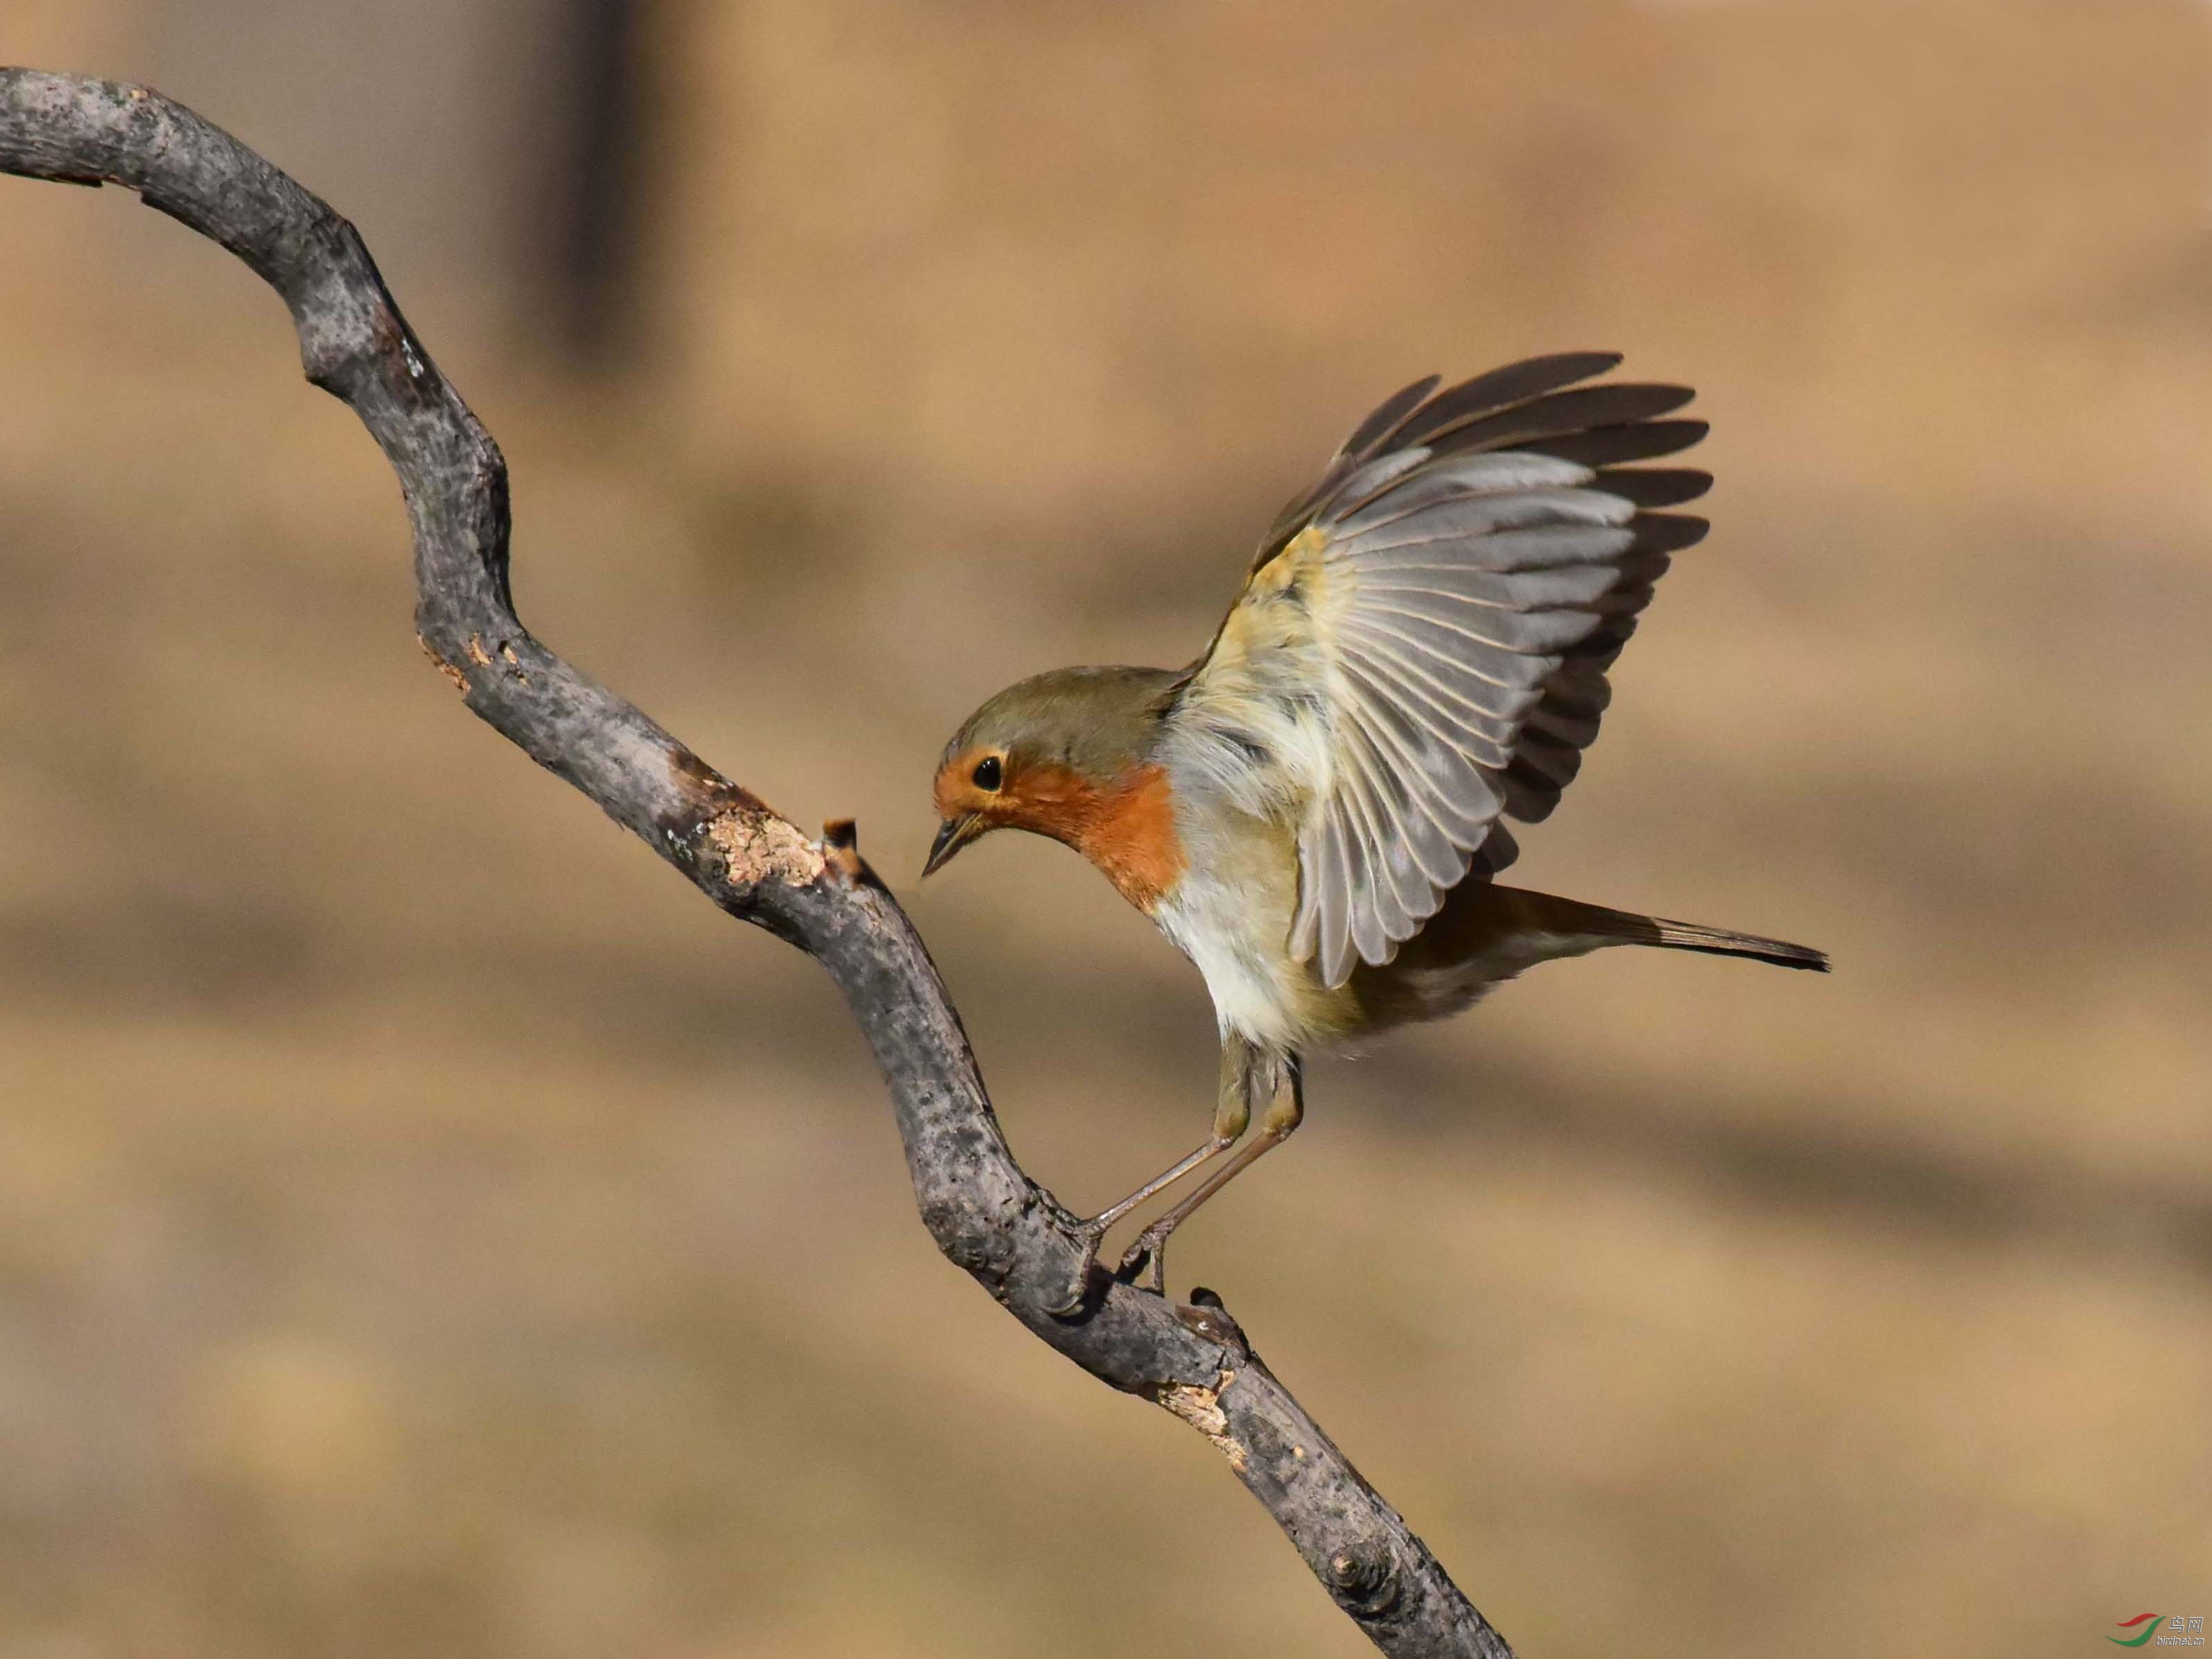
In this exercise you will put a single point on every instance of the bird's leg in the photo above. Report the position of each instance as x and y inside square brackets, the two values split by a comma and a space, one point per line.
[1232, 1114]
[1287, 1109]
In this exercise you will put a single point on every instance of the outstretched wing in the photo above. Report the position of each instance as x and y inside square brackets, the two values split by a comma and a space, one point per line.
[1423, 642]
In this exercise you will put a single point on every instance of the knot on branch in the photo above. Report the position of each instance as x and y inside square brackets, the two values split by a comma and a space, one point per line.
[1205, 1315]
[1365, 1581]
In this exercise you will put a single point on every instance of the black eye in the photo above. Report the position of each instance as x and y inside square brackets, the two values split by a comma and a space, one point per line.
[987, 772]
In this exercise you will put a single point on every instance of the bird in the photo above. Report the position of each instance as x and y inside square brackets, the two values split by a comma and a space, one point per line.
[1315, 811]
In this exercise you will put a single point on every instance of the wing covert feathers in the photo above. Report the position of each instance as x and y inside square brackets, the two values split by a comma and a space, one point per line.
[1425, 636]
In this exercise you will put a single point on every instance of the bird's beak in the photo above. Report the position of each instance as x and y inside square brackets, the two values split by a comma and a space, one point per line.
[953, 834]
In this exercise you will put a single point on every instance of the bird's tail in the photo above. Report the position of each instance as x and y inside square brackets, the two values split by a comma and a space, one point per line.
[1715, 941]
[1486, 934]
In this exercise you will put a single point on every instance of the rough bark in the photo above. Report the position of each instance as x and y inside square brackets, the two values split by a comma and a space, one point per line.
[986, 1214]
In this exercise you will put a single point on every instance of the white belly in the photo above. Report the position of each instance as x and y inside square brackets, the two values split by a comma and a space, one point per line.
[1234, 935]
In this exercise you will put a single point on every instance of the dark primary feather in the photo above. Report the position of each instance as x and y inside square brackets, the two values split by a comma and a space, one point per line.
[1384, 422]
[1561, 415]
[1400, 419]
[1609, 446]
[1513, 384]
[1655, 486]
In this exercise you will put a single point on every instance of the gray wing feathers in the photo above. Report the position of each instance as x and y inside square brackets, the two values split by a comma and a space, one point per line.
[1487, 557]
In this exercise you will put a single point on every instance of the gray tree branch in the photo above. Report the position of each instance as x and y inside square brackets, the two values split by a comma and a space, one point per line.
[984, 1213]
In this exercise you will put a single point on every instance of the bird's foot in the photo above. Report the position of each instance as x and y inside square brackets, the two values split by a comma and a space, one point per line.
[1091, 1235]
[1146, 1256]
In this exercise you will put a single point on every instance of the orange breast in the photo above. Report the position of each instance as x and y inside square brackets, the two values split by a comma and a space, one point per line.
[1126, 827]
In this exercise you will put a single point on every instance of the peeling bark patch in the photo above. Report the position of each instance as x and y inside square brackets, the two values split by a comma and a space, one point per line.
[461, 680]
[754, 845]
[478, 655]
[1201, 1408]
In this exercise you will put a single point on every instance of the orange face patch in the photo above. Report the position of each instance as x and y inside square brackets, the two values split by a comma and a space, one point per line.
[955, 790]
[1127, 828]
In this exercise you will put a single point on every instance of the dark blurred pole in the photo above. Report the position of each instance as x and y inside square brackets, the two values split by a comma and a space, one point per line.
[593, 181]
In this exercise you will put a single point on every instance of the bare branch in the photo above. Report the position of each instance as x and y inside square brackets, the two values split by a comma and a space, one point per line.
[984, 1213]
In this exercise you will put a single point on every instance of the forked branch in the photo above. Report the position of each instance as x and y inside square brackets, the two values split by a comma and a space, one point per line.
[984, 1213]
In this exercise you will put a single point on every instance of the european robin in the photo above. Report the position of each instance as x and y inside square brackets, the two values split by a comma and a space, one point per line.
[1313, 811]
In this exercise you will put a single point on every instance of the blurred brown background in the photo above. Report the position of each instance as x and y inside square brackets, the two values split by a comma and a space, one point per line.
[425, 1228]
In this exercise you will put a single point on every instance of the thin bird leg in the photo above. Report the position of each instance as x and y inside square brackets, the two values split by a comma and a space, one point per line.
[1286, 1111]
[1232, 1114]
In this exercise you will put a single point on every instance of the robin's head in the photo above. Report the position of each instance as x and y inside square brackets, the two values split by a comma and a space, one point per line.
[1046, 753]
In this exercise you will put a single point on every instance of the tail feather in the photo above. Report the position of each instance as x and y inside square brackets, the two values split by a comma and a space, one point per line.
[1486, 934]
[1594, 926]
[1720, 942]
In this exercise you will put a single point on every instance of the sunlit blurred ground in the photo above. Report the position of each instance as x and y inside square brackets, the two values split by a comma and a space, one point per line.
[425, 1228]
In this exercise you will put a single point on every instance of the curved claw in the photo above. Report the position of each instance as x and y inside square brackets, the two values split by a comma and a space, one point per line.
[1147, 1256]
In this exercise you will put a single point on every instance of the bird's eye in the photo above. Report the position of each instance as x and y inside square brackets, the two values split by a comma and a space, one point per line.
[987, 773]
